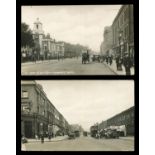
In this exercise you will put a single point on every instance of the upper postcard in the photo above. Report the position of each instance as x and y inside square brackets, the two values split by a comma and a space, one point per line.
[77, 40]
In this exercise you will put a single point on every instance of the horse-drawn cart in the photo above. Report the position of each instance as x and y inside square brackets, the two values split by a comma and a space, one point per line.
[85, 58]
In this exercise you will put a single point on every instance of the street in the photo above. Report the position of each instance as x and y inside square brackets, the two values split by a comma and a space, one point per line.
[84, 144]
[65, 67]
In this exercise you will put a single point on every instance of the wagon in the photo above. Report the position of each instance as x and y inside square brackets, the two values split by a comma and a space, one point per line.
[96, 58]
[85, 58]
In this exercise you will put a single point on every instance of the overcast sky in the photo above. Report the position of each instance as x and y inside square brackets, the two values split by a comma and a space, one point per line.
[83, 24]
[86, 102]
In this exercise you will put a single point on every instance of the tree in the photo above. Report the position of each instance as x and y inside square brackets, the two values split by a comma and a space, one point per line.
[26, 36]
[73, 50]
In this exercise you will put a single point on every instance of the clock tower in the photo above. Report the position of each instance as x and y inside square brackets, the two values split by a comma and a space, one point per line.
[38, 34]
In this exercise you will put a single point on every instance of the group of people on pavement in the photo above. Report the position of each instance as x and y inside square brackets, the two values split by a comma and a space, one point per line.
[120, 61]
[109, 59]
[126, 61]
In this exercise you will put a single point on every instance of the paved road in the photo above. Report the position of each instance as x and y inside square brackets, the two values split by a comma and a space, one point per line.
[84, 144]
[65, 67]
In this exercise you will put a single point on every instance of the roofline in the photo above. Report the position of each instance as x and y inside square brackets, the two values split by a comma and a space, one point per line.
[118, 114]
[118, 13]
[121, 112]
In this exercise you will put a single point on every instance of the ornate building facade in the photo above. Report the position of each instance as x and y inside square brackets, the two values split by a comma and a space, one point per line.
[45, 46]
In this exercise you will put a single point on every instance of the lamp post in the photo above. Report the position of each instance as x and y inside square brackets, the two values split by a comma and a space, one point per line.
[120, 38]
[119, 58]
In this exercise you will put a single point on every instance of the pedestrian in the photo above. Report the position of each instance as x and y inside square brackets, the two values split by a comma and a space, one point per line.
[119, 62]
[110, 60]
[49, 136]
[127, 64]
[107, 59]
[42, 137]
[36, 136]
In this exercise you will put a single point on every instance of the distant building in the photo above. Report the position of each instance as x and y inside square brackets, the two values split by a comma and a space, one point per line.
[37, 112]
[123, 31]
[45, 46]
[76, 127]
[106, 45]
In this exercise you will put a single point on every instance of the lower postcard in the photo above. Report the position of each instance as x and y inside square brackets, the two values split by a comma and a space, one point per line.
[77, 115]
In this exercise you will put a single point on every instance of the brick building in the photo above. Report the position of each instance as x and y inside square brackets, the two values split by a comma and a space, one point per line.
[123, 31]
[124, 118]
[37, 111]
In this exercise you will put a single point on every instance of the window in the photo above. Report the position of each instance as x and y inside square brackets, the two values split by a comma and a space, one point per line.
[24, 94]
[43, 101]
[43, 113]
[25, 108]
[38, 109]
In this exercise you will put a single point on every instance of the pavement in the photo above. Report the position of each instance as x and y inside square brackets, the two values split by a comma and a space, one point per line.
[39, 62]
[58, 138]
[23, 147]
[55, 139]
[113, 68]
[127, 138]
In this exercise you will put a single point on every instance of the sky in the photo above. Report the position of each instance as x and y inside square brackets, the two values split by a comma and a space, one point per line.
[83, 24]
[86, 102]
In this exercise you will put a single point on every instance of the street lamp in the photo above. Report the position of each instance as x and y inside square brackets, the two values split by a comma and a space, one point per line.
[119, 58]
[120, 38]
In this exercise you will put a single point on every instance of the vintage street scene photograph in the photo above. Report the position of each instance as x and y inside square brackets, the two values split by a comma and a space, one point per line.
[77, 115]
[77, 40]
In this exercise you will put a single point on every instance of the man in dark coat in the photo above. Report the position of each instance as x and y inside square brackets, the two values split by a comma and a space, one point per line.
[107, 59]
[110, 60]
[119, 62]
[127, 64]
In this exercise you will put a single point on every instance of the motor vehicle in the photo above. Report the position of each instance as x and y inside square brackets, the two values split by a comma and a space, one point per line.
[71, 135]
[93, 131]
[59, 133]
[85, 133]
[77, 133]
[96, 58]
[111, 133]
